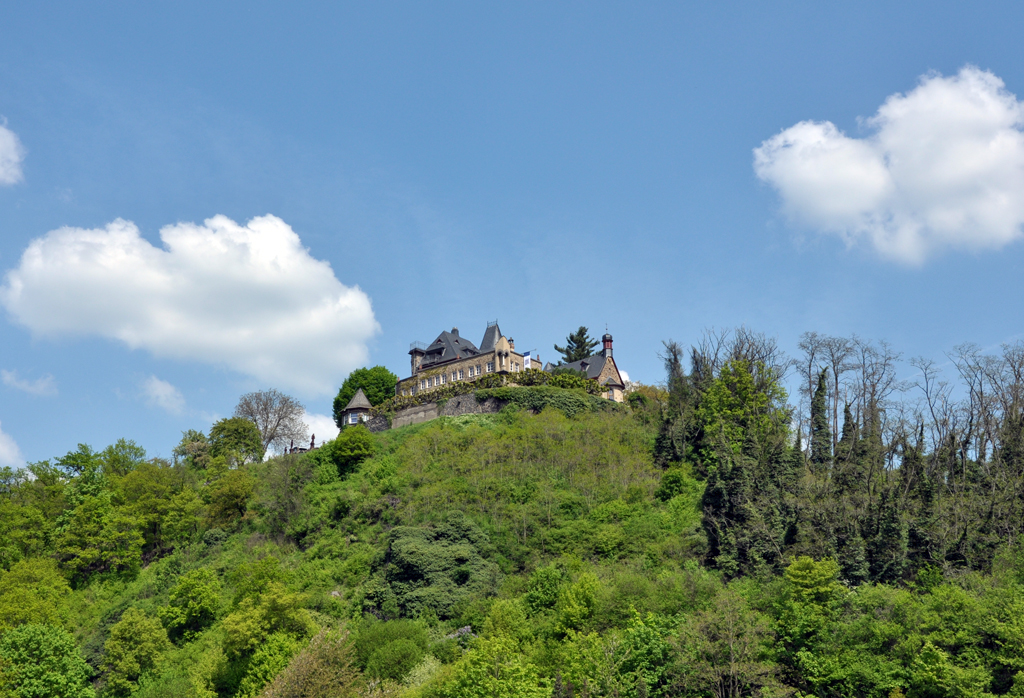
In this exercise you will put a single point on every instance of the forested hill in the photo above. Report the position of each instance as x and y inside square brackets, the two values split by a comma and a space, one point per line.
[712, 537]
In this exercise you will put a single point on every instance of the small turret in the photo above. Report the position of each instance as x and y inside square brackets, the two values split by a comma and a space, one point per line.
[607, 341]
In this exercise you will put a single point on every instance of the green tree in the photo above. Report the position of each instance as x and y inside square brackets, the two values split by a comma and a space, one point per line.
[378, 385]
[99, 537]
[43, 661]
[578, 346]
[267, 661]
[193, 449]
[237, 438]
[257, 618]
[122, 457]
[821, 435]
[351, 447]
[33, 591]
[726, 650]
[193, 604]
[82, 460]
[745, 450]
[494, 669]
[229, 497]
[136, 644]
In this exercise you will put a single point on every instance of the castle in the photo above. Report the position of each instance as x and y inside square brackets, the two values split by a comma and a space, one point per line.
[452, 358]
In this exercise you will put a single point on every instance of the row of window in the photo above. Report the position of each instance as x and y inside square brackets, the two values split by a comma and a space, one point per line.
[456, 375]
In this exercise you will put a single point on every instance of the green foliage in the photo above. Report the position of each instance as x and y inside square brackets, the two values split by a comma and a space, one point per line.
[122, 457]
[378, 385]
[193, 450]
[821, 435]
[193, 604]
[351, 447]
[374, 641]
[228, 497]
[433, 569]
[136, 644]
[237, 439]
[99, 537]
[493, 669]
[42, 661]
[33, 591]
[266, 662]
[814, 582]
[275, 610]
[543, 588]
[532, 377]
[576, 604]
[569, 402]
[578, 346]
[80, 462]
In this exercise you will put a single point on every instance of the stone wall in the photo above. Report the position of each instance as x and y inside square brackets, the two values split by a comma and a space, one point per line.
[454, 407]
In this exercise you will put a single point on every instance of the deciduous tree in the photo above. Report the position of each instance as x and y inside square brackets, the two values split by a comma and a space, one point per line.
[276, 415]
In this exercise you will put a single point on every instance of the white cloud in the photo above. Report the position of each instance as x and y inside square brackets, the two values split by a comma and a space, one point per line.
[247, 297]
[162, 394]
[321, 425]
[10, 454]
[12, 152]
[943, 168]
[40, 386]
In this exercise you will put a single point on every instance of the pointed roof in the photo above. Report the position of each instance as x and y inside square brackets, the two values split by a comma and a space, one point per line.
[358, 401]
[491, 336]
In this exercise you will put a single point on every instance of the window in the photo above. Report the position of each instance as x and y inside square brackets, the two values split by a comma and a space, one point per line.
[423, 384]
[462, 374]
[490, 367]
[455, 376]
[470, 371]
[353, 418]
[443, 378]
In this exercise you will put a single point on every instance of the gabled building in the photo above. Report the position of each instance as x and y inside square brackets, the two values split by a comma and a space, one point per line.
[452, 358]
[601, 368]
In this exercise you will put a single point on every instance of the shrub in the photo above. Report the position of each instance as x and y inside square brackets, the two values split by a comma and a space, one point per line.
[323, 669]
[194, 601]
[257, 618]
[394, 660]
[136, 644]
[375, 637]
[267, 661]
[33, 591]
[42, 660]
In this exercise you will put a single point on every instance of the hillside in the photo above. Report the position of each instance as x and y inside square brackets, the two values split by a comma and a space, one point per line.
[683, 544]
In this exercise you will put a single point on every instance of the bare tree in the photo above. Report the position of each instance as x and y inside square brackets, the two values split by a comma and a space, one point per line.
[278, 417]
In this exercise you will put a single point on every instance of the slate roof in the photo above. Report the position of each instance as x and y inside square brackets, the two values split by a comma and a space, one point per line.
[447, 347]
[591, 366]
[491, 336]
[358, 402]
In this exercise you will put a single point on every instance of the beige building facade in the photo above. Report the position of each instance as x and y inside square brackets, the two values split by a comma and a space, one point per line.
[451, 358]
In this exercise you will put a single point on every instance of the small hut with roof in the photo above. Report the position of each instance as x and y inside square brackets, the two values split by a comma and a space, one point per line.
[357, 410]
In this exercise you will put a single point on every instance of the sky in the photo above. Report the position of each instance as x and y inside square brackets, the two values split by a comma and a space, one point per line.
[198, 200]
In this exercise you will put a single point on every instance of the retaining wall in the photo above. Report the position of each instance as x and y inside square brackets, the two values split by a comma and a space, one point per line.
[454, 407]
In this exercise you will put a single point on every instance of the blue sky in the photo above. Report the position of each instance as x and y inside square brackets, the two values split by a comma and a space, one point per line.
[547, 165]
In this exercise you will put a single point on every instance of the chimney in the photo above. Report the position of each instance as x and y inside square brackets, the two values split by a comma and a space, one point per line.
[455, 331]
[607, 340]
[511, 344]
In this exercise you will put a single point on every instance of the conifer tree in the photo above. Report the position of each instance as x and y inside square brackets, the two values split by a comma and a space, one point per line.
[821, 435]
[578, 346]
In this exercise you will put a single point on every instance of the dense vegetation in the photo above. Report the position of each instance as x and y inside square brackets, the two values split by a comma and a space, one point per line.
[706, 539]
